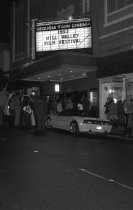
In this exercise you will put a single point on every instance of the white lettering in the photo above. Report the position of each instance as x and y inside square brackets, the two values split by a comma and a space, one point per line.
[69, 41]
[69, 36]
[49, 43]
[48, 28]
[51, 38]
[63, 31]
[79, 25]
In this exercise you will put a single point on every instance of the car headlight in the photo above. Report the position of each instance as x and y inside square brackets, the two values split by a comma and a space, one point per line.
[81, 123]
[99, 127]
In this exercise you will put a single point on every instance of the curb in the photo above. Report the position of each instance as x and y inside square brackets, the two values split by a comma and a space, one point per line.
[121, 137]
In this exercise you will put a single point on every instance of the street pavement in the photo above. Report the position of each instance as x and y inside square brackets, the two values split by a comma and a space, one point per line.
[56, 171]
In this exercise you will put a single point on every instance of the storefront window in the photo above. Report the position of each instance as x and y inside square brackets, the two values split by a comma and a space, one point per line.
[122, 88]
[129, 89]
[117, 87]
[93, 97]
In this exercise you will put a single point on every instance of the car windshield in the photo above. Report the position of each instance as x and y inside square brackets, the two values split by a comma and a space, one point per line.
[72, 112]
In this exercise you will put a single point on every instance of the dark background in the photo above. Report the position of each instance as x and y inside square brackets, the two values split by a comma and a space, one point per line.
[4, 20]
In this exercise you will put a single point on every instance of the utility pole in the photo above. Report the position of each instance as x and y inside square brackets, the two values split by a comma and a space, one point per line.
[34, 38]
[33, 32]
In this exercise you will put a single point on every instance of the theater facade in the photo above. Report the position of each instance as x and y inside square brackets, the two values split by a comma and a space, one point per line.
[61, 55]
[114, 50]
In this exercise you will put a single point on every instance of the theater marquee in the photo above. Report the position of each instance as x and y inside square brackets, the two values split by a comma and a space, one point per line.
[63, 35]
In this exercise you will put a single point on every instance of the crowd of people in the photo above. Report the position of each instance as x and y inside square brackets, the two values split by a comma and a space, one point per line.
[28, 111]
[59, 103]
[23, 111]
[120, 113]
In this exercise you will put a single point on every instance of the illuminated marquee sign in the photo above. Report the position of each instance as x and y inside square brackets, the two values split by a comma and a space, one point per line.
[63, 35]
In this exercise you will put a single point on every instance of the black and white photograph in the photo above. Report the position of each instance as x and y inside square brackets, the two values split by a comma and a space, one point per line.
[66, 105]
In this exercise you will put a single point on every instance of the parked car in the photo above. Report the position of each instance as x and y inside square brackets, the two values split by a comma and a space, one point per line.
[78, 122]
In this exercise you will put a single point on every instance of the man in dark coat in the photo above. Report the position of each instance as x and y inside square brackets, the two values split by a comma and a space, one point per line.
[40, 110]
[3, 103]
[85, 103]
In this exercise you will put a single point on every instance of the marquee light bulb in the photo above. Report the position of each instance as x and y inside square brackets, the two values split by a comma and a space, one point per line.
[70, 18]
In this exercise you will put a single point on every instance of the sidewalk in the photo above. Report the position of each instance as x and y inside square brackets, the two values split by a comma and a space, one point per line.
[120, 133]
[121, 137]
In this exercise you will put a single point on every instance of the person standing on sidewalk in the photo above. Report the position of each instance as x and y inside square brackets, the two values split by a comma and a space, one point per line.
[26, 112]
[130, 116]
[59, 107]
[121, 116]
[112, 111]
[3, 103]
[40, 110]
[125, 105]
[106, 105]
[86, 103]
[16, 104]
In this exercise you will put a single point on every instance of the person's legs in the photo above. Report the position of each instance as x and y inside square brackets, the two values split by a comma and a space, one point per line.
[17, 117]
[132, 130]
[27, 120]
[132, 125]
[126, 120]
[43, 124]
[21, 118]
[1, 115]
[39, 123]
[24, 119]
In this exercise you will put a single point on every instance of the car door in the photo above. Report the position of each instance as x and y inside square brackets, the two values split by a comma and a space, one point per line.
[61, 121]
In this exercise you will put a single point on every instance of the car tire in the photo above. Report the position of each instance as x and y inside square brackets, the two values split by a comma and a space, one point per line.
[48, 123]
[74, 129]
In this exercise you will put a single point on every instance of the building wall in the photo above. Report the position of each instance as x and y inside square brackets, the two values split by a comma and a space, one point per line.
[6, 60]
[113, 44]
[113, 29]
[22, 13]
[4, 64]
[4, 57]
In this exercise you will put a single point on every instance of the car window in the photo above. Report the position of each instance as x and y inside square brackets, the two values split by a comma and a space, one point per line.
[72, 112]
[66, 113]
[81, 113]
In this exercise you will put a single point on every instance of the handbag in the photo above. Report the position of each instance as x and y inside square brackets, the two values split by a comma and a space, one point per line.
[27, 109]
[33, 122]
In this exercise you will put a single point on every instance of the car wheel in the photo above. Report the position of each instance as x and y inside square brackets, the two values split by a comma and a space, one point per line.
[48, 122]
[74, 129]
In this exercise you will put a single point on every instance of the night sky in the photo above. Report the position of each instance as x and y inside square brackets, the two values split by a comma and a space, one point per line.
[4, 20]
[5, 17]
